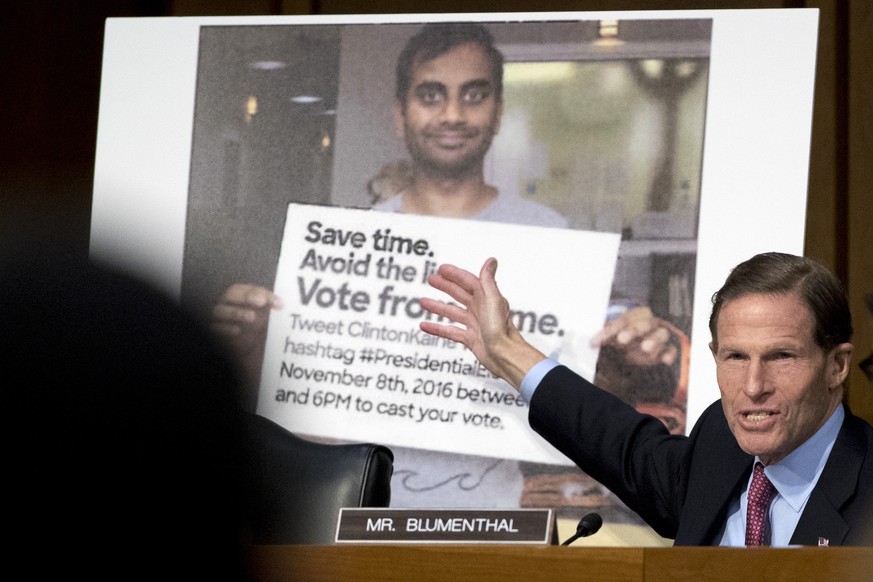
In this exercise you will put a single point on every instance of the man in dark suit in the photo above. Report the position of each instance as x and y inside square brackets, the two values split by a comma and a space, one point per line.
[781, 331]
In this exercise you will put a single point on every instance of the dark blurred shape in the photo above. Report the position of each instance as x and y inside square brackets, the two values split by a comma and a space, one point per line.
[300, 485]
[124, 445]
[866, 364]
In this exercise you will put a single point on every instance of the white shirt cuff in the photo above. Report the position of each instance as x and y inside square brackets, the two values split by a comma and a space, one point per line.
[534, 376]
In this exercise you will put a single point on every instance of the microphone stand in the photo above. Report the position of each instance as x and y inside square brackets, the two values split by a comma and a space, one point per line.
[588, 525]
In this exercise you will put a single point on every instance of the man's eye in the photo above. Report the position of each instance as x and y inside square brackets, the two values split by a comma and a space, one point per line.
[430, 96]
[475, 95]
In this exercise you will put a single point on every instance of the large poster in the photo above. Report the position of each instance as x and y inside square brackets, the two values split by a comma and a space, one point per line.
[683, 134]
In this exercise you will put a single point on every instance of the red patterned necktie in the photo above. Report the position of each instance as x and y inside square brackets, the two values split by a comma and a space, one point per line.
[761, 492]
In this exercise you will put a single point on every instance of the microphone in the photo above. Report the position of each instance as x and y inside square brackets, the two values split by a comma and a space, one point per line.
[588, 525]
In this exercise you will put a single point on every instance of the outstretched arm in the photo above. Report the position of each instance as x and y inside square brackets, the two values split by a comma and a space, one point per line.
[483, 312]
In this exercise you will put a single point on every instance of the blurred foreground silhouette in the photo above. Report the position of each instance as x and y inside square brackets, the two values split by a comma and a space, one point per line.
[124, 448]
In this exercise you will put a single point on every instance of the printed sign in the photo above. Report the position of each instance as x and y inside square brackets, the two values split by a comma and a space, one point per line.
[345, 357]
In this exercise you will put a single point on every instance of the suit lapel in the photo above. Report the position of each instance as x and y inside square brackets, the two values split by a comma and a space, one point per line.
[710, 496]
[719, 469]
[837, 484]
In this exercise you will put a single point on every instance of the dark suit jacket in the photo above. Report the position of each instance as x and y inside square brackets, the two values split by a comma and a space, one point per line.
[683, 486]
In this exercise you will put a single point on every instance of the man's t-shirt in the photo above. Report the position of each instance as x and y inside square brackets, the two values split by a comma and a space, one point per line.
[505, 208]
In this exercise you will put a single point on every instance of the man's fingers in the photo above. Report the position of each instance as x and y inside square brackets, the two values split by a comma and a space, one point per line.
[488, 276]
[224, 312]
[241, 294]
[461, 277]
[451, 332]
[628, 327]
[461, 285]
[446, 310]
[226, 329]
[656, 340]
[251, 296]
[670, 354]
[450, 288]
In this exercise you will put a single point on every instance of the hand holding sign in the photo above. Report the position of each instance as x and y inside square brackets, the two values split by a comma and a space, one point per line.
[240, 318]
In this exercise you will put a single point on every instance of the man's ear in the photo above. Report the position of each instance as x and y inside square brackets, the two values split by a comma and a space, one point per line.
[839, 361]
[713, 349]
[399, 120]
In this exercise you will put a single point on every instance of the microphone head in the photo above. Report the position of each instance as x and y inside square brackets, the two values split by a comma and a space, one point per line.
[589, 524]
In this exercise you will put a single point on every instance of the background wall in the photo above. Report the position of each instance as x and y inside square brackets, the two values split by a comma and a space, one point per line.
[51, 55]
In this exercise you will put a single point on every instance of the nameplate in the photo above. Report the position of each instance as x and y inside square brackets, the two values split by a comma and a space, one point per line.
[449, 526]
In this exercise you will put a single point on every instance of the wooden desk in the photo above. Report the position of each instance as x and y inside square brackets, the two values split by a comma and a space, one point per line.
[557, 564]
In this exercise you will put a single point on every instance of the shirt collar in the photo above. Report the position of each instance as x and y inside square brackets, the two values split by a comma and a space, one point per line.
[795, 476]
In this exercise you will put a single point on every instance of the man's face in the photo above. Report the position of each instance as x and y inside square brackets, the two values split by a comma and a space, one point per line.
[777, 385]
[451, 113]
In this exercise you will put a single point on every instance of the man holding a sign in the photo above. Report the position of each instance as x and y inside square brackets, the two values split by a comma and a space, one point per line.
[447, 179]
[448, 109]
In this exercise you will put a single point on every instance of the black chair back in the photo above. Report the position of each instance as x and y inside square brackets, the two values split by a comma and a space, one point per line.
[298, 485]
